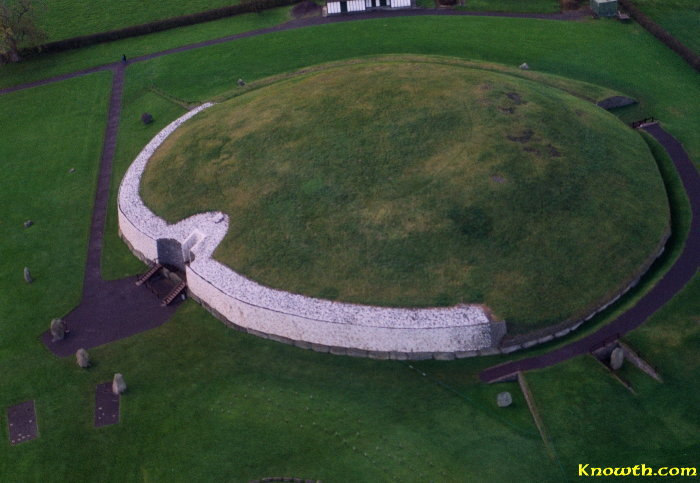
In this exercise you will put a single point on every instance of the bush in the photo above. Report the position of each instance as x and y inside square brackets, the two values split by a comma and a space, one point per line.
[146, 118]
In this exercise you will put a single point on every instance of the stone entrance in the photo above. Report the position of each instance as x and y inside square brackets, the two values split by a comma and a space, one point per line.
[170, 253]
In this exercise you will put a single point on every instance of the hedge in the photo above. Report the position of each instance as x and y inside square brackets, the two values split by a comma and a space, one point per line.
[156, 26]
[657, 31]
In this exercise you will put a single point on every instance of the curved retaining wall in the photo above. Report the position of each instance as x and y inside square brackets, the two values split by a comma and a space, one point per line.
[324, 325]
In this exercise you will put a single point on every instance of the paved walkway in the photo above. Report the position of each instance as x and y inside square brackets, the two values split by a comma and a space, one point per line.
[109, 310]
[112, 310]
[672, 282]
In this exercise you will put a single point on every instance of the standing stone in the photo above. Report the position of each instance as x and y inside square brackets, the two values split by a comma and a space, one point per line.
[58, 329]
[241, 82]
[504, 399]
[118, 384]
[27, 275]
[617, 357]
[524, 66]
[28, 223]
[82, 358]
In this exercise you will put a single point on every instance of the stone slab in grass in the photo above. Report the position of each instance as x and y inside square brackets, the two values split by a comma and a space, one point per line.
[106, 405]
[22, 422]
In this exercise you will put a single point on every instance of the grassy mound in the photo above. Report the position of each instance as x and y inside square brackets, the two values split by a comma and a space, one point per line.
[420, 184]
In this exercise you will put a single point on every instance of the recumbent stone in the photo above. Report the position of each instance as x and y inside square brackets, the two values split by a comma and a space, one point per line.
[504, 399]
[617, 357]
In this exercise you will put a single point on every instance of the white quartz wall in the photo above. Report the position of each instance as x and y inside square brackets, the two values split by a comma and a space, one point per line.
[247, 304]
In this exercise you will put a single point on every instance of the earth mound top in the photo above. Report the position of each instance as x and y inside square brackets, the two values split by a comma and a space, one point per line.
[421, 184]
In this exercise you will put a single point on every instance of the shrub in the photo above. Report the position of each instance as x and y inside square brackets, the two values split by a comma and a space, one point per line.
[146, 118]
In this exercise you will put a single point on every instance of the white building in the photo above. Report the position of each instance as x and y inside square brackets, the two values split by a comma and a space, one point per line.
[344, 6]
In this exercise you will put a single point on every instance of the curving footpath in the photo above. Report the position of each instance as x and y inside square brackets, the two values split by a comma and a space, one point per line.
[111, 310]
[682, 271]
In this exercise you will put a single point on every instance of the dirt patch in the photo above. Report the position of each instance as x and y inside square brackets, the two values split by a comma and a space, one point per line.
[515, 97]
[22, 422]
[524, 137]
[553, 152]
[106, 405]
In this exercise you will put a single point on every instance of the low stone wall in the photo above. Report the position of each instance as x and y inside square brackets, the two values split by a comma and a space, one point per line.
[325, 325]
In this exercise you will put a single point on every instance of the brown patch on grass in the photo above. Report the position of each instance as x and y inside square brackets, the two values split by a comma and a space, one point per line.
[553, 152]
[524, 137]
[515, 97]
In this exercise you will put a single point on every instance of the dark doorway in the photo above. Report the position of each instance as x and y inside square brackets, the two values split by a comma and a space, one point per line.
[170, 253]
[343, 7]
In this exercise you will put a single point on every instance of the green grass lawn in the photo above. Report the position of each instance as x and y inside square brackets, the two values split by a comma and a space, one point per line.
[275, 410]
[48, 131]
[45, 66]
[681, 18]
[424, 184]
[209, 403]
[62, 19]
[517, 6]
[593, 419]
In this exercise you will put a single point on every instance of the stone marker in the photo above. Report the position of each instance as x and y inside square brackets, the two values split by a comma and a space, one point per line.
[72, 170]
[617, 357]
[28, 223]
[504, 399]
[241, 82]
[58, 329]
[524, 66]
[118, 384]
[82, 358]
[27, 275]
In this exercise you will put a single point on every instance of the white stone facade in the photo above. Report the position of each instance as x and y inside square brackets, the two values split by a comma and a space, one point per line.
[463, 329]
[334, 7]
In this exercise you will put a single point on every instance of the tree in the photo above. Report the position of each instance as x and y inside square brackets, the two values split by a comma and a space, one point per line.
[18, 27]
